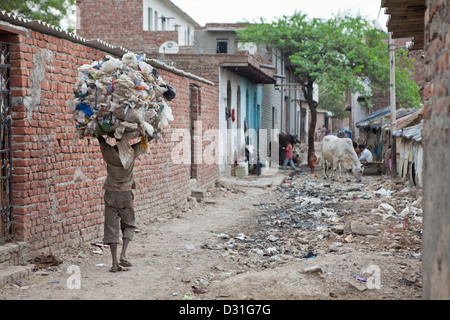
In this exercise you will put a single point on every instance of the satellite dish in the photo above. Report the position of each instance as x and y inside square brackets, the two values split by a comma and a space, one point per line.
[169, 47]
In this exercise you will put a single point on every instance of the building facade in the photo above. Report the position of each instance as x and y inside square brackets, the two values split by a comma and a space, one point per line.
[142, 26]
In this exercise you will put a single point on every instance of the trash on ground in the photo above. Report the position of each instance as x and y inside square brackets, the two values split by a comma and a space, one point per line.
[384, 192]
[44, 261]
[358, 278]
[313, 269]
[197, 290]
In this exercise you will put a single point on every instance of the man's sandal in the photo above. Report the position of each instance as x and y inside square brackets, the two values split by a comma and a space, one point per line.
[115, 269]
[125, 263]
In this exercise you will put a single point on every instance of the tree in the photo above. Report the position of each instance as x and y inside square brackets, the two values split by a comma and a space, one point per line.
[339, 54]
[333, 103]
[50, 11]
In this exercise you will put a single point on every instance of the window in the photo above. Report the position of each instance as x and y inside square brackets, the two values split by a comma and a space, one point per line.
[156, 20]
[150, 19]
[222, 46]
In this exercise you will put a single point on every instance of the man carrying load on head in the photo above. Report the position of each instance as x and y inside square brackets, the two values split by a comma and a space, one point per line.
[119, 210]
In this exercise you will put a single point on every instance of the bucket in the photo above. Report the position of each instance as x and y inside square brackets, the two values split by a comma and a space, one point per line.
[242, 169]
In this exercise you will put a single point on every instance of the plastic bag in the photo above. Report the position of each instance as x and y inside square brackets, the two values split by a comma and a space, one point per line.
[124, 97]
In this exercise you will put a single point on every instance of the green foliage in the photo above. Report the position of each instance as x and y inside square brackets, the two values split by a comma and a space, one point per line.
[407, 92]
[342, 53]
[331, 102]
[50, 11]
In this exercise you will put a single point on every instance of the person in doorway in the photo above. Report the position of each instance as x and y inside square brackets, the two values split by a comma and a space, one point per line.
[289, 156]
[312, 160]
[119, 198]
[366, 155]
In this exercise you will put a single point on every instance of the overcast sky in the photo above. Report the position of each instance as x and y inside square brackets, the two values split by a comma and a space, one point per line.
[204, 11]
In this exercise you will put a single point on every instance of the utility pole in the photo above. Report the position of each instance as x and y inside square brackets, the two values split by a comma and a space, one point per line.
[282, 90]
[393, 105]
[393, 124]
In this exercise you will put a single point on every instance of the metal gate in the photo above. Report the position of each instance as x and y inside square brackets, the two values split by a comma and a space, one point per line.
[6, 213]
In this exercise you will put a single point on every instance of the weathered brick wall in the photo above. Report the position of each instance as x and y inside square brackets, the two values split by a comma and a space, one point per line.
[119, 22]
[436, 141]
[203, 65]
[51, 212]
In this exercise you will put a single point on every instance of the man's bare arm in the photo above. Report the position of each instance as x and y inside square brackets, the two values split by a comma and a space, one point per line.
[101, 139]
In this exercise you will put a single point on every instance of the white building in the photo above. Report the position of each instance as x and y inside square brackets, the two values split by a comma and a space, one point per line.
[164, 15]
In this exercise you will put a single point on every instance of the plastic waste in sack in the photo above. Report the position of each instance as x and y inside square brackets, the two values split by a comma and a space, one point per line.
[121, 96]
[170, 94]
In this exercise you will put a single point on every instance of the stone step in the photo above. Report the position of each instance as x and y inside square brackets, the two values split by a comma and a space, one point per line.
[12, 274]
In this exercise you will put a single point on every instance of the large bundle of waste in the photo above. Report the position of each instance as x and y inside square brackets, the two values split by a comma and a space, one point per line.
[123, 98]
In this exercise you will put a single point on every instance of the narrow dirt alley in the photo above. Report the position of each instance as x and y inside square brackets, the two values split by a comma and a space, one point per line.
[303, 237]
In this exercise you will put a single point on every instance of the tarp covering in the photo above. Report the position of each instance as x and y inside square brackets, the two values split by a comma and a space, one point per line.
[380, 118]
[414, 133]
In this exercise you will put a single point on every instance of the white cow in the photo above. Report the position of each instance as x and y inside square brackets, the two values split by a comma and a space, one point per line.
[340, 152]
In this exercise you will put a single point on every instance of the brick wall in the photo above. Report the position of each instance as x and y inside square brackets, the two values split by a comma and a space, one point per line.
[51, 212]
[436, 141]
[115, 23]
[203, 65]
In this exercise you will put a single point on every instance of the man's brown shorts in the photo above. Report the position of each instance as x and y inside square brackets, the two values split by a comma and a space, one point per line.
[119, 215]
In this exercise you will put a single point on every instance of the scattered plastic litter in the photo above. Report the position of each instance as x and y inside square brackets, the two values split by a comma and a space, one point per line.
[187, 296]
[359, 278]
[385, 210]
[384, 192]
[309, 255]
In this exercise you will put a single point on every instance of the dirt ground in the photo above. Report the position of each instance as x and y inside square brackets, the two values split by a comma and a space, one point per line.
[302, 238]
[286, 235]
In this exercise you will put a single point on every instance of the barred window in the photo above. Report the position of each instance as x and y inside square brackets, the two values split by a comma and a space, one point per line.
[222, 46]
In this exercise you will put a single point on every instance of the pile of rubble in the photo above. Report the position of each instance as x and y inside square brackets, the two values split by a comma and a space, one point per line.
[313, 217]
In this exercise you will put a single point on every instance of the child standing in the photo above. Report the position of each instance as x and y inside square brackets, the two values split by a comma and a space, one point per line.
[289, 157]
[312, 161]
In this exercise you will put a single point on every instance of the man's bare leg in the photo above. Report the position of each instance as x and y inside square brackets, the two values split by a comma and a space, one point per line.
[123, 254]
[115, 264]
